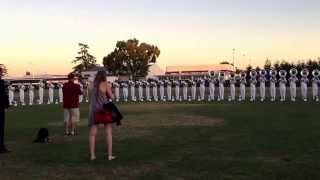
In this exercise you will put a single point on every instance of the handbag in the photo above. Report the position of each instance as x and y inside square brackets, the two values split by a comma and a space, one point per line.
[102, 117]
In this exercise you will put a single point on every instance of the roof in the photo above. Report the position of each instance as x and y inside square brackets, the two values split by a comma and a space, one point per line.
[199, 68]
[155, 70]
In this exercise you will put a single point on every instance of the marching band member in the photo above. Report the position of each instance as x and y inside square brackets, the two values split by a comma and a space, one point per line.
[232, 82]
[60, 92]
[116, 90]
[86, 92]
[140, 90]
[81, 96]
[169, 89]
[41, 87]
[193, 90]
[125, 91]
[147, 85]
[161, 90]
[293, 83]
[273, 81]
[282, 85]
[221, 86]
[132, 90]
[177, 89]
[212, 83]
[243, 83]
[262, 81]
[21, 93]
[304, 84]
[154, 90]
[11, 89]
[31, 94]
[202, 88]
[253, 83]
[50, 91]
[185, 90]
[315, 85]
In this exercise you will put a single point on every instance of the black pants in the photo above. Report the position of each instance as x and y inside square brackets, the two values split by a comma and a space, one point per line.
[2, 115]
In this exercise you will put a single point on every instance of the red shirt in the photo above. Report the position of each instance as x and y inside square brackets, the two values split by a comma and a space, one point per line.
[71, 93]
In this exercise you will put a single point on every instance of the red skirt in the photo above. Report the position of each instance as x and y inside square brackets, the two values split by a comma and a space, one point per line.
[102, 117]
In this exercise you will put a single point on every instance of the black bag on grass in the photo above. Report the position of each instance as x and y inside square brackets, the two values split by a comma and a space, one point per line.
[42, 136]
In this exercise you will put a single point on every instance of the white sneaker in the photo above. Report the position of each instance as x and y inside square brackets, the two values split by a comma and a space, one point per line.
[93, 158]
[110, 158]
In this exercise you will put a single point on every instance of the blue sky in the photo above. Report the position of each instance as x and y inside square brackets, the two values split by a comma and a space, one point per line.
[186, 31]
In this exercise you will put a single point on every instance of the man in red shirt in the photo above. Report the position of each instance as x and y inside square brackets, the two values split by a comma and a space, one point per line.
[71, 92]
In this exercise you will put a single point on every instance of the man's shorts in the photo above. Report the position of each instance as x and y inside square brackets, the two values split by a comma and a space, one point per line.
[72, 115]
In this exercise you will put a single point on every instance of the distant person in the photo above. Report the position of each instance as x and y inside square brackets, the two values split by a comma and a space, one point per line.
[4, 104]
[102, 111]
[71, 92]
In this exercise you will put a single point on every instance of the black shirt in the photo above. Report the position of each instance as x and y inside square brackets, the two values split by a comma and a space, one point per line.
[4, 98]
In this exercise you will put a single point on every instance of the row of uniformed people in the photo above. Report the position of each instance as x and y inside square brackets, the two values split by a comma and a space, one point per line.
[148, 90]
[22, 88]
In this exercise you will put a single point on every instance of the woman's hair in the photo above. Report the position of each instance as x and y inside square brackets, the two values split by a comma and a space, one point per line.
[100, 77]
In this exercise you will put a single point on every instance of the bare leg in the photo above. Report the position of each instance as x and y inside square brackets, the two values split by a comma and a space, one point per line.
[108, 131]
[92, 141]
[66, 128]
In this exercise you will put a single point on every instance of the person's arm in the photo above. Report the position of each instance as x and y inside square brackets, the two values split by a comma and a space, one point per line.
[80, 92]
[109, 91]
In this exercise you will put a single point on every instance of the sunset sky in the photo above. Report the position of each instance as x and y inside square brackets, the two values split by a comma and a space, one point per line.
[42, 36]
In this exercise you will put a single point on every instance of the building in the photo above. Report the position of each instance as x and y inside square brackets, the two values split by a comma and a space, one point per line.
[198, 69]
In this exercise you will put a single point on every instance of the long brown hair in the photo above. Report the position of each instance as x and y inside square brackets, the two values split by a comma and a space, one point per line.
[100, 77]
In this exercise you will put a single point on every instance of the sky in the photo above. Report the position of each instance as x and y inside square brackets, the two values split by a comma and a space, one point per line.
[42, 36]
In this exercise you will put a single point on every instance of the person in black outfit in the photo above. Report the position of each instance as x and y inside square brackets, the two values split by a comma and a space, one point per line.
[4, 104]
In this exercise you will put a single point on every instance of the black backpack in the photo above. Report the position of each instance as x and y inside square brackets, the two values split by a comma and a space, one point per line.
[42, 136]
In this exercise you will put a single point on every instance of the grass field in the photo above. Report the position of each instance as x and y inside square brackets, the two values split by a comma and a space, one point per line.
[172, 141]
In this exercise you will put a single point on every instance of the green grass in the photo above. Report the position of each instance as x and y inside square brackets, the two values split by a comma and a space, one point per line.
[263, 141]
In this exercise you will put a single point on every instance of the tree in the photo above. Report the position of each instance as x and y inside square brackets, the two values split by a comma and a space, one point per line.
[267, 64]
[85, 60]
[3, 70]
[224, 62]
[132, 58]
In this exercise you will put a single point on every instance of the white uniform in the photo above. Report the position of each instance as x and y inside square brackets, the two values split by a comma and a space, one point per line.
[193, 90]
[293, 87]
[253, 89]
[315, 88]
[60, 92]
[125, 92]
[161, 90]
[232, 88]
[31, 94]
[185, 90]
[132, 90]
[21, 94]
[177, 89]
[11, 94]
[262, 80]
[202, 89]
[116, 91]
[221, 88]
[243, 82]
[41, 86]
[147, 85]
[140, 90]
[304, 88]
[282, 86]
[81, 96]
[169, 89]
[51, 94]
[154, 91]
[273, 81]
[212, 83]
